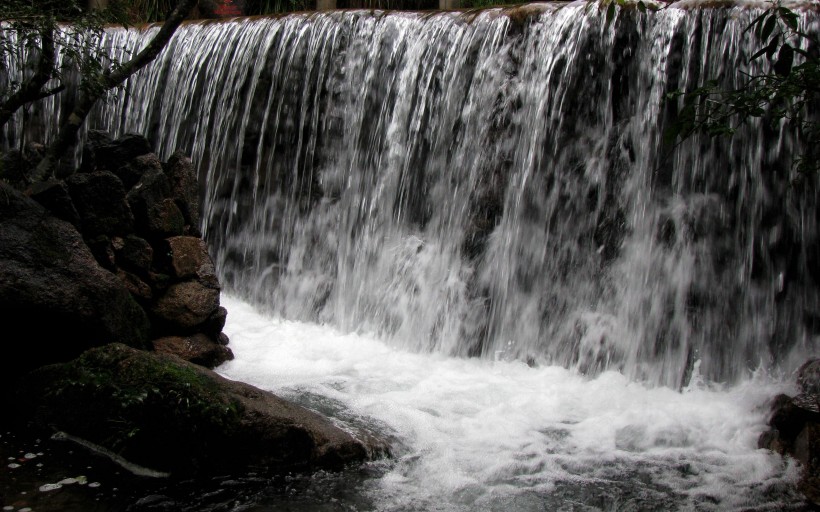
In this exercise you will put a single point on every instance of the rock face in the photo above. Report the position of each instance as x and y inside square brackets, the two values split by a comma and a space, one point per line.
[137, 217]
[795, 428]
[58, 300]
[177, 417]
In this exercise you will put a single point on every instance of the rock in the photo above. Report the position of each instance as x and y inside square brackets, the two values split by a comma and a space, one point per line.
[186, 305]
[136, 286]
[185, 190]
[61, 301]
[165, 219]
[188, 258]
[808, 377]
[795, 431]
[132, 170]
[216, 322]
[100, 200]
[198, 349]
[100, 246]
[150, 200]
[133, 252]
[112, 155]
[176, 417]
[54, 196]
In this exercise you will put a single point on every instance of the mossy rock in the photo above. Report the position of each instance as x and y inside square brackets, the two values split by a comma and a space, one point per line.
[161, 412]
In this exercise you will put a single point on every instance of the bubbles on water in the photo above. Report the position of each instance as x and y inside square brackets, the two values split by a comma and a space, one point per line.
[501, 435]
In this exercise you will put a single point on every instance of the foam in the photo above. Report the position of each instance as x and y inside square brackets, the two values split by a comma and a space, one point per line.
[480, 433]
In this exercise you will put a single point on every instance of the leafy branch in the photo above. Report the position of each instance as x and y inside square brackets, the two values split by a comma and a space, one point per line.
[787, 93]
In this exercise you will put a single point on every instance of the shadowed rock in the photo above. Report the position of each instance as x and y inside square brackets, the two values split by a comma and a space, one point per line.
[58, 299]
[177, 417]
[198, 349]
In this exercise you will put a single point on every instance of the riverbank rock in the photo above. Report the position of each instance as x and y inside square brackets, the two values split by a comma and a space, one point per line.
[176, 417]
[795, 428]
[135, 215]
[57, 299]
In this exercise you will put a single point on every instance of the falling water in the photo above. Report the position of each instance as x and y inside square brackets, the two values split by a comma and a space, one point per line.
[493, 183]
[399, 188]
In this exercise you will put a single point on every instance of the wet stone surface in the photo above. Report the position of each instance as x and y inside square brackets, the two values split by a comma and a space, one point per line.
[48, 475]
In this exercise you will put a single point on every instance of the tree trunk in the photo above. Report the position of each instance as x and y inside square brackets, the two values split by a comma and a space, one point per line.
[67, 136]
[32, 89]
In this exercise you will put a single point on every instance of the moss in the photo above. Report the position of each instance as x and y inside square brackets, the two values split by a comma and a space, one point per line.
[137, 404]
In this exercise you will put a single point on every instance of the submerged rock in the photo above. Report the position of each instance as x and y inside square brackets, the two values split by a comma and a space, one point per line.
[163, 413]
[795, 428]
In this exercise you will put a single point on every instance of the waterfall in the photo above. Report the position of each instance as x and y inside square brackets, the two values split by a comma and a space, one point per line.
[492, 183]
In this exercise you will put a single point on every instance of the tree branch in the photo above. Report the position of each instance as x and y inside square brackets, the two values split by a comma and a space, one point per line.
[67, 136]
[32, 89]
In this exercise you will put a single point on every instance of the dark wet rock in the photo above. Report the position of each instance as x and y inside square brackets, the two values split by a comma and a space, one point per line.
[177, 417]
[140, 290]
[61, 300]
[131, 172]
[186, 305]
[188, 258]
[795, 430]
[222, 338]
[808, 377]
[103, 251]
[216, 322]
[133, 252]
[165, 219]
[54, 196]
[198, 349]
[100, 200]
[103, 153]
[16, 168]
[185, 190]
[147, 195]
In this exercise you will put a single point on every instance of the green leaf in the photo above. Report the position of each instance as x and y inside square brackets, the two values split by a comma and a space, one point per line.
[785, 59]
[772, 48]
[754, 22]
[642, 7]
[759, 53]
[768, 27]
[790, 20]
[610, 13]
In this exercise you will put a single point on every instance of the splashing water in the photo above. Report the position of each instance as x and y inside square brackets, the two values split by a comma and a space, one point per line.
[473, 434]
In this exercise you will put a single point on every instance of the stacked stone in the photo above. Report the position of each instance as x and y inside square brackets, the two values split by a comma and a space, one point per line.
[140, 217]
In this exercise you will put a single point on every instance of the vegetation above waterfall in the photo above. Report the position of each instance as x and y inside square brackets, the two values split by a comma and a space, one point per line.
[782, 91]
[31, 36]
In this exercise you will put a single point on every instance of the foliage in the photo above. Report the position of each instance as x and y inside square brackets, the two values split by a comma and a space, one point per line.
[39, 31]
[255, 7]
[31, 38]
[785, 93]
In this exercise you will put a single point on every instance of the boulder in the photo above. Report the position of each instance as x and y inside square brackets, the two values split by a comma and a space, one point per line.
[58, 300]
[103, 153]
[185, 189]
[808, 377]
[187, 257]
[795, 430]
[177, 417]
[133, 253]
[184, 306]
[54, 196]
[155, 211]
[165, 219]
[100, 200]
[198, 349]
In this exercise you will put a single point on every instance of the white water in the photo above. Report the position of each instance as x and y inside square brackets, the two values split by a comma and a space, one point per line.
[475, 434]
